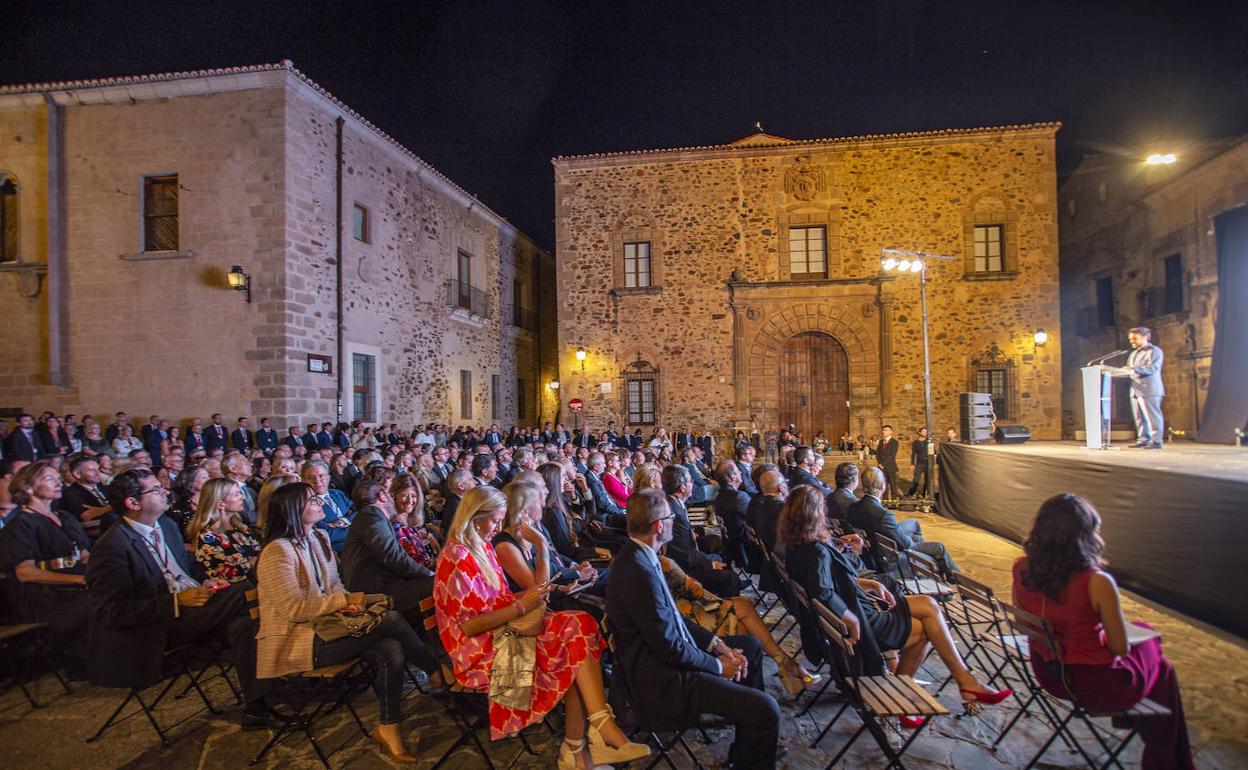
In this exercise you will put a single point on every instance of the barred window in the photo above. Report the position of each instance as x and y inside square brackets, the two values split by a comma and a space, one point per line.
[8, 219]
[637, 265]
[160, 213]
[994, 372]
[640, 392]
[364, 387]
[808, 252]
[989, 248]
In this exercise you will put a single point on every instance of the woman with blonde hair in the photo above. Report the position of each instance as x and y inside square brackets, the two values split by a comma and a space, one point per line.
[222, 542]
[473, 601]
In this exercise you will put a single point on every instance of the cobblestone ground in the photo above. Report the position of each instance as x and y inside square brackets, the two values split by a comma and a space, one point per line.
[1213, 669]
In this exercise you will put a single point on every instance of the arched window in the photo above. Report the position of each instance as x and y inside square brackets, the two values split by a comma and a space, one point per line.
[641, 387]
[8, 218]
[993, 372]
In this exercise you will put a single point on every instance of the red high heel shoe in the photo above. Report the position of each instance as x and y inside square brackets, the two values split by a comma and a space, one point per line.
[912, 723]
[990, 698]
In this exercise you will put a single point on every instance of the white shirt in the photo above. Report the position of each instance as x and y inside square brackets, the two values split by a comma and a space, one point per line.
[175, 577]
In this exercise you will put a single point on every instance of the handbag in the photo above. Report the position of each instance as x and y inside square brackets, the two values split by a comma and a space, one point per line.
[530, 623]
[515, 658]
[339, 624]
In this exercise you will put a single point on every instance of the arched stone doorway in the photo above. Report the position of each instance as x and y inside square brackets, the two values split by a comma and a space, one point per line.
[814, 385]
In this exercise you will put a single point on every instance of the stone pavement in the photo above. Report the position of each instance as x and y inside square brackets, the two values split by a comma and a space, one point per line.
[1212, 667]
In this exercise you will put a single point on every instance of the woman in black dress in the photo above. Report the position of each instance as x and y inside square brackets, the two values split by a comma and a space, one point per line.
[877, 620]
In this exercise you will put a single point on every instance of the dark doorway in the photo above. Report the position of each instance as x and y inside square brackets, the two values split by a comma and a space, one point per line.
[814, 386]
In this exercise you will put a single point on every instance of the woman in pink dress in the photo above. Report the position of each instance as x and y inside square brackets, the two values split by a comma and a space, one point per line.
[614, 480]
[472, 600]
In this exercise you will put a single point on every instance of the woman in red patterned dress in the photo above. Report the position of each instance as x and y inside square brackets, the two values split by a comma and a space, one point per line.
[473, 599]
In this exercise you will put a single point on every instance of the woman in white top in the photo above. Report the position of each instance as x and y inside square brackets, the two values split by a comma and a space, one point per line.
[125, 443]
[660, 441]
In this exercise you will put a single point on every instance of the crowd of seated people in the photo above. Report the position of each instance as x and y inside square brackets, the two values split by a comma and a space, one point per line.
[130, 548]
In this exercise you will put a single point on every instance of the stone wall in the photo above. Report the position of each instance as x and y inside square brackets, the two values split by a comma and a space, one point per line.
[717, 219]
[257, 173]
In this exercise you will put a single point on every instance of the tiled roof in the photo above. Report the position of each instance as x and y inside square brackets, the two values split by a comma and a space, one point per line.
[756, 141]
[285, 65]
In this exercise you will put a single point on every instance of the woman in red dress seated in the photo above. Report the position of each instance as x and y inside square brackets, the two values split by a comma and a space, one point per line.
[1061, 581]
[472, 600]
[615, 481]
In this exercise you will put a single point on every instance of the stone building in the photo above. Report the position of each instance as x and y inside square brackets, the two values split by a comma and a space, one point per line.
[709, 284]
[1139, 249]
[128, 200]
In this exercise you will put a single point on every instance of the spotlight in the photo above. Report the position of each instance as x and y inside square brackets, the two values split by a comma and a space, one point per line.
[904, 265]
[890, 264]
[916, 265]
[1040, 337]
[1159, 159]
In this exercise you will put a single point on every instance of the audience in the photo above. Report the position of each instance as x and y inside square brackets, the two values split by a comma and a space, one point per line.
[707, 569]
[731, 505]
[298, 582]
[473, 599]
[1060, 579]
[870, 515]
[417, 538]
[337, 518]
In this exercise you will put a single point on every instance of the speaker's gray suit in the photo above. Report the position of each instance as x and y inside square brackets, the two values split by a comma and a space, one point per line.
[1146, 392]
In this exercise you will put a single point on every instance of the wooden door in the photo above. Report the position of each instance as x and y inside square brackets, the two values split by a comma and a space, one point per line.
[814, 386]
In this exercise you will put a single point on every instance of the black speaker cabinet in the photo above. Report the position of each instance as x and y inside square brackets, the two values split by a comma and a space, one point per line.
[1011, 434]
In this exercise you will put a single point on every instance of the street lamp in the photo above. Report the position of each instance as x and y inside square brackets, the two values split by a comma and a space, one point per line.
[1040, 338]
[580, 356]
[916, 262]
[1161, 159]
[239, 281]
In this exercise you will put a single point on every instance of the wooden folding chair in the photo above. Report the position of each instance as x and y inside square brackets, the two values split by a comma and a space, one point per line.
[873, 698]
[22, 652]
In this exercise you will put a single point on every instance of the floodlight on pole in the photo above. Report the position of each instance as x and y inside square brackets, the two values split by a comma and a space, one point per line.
[1161, 159]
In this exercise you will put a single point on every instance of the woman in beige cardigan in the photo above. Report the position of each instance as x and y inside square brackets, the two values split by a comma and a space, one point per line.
[298, 581]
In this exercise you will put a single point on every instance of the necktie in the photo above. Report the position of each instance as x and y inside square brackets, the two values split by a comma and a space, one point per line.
[175, 580]
[680, 623]
[329, 503]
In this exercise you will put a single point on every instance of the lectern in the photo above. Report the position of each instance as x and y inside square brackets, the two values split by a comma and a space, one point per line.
[1098, 395]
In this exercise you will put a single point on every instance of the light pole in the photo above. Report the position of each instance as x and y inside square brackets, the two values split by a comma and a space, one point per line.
[916, 262]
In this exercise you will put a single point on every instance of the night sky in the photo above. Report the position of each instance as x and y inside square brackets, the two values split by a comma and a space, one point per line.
[488, 92]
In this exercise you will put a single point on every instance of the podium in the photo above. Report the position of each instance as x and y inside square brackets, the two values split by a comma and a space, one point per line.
[1098, 394]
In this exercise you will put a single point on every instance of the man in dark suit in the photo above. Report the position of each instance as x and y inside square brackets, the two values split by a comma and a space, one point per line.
[153, 438]
[152, 424]
[803, 471]
[843, 496]
[493, 437]
[295, 439]
[114, 430]
[338, 511]
[1147, 388]
[325, 437]
[745, 463]
[457, 485]
[311, 439]
[241, 439]
[676, 671]
[684, 439]
[730, 507]
[706, 442]
[764, 516]
[267, 438]
[886, 456]
[215, 435]
[374, 562]
[705, 568]
[609, 514]
[918, 464]
[147, 597]
[485, 471]
[869, 514]
[85, 499]
[612, 436]
[20, 444]
[195, 441]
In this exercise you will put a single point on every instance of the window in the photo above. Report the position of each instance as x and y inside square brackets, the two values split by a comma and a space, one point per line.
[463, 279]
[160, 213]
[364, 387]
[1105, 301]
[360, 223]
[522, 399]
[640, 380]
[637, 265]
[808, 252]
[989, 248]
[992, 372]
[496, 398]
[1172, 301]
[465, 394]
[8, 220]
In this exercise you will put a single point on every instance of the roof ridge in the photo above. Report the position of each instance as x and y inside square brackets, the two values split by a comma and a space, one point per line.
[1019, 127]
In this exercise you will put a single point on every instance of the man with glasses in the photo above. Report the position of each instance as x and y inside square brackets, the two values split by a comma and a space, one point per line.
[149, 596]
[337, 509]
[676, 671]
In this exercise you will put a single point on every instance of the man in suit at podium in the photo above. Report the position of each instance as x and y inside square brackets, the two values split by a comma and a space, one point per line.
[1144, 363]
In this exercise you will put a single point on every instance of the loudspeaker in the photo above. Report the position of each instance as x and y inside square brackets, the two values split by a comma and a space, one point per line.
[974, 433]
[1011, 434]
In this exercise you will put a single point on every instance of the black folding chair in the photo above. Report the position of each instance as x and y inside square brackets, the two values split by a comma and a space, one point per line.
[23, 656]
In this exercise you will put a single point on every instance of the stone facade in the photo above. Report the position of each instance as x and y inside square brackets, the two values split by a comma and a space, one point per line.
[255, 151]
[1121, 221]
[724, 308]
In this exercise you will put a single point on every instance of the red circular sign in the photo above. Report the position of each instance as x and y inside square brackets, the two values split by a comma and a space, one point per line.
[576, 405]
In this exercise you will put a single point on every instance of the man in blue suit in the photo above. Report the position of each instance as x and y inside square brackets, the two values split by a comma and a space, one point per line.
[676, 671]
[1147, 389]
[338, 510]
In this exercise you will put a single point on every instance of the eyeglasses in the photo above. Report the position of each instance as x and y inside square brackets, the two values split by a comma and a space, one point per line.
[153, 489]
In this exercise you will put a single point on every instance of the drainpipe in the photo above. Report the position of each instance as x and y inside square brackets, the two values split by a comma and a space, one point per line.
[58, 366]
[339, 341]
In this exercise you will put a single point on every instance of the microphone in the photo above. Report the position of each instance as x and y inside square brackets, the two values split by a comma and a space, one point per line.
[1105, 358]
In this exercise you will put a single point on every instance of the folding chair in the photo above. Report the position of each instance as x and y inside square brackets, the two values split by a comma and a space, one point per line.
[664, 749]
[22, 653]
[469, 709]
[1038, 632]
[872, 697]
[312, 695]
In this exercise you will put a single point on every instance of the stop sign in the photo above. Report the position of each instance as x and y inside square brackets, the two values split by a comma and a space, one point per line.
[576, 405]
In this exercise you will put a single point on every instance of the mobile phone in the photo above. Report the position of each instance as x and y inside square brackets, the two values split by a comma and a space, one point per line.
[220, 587]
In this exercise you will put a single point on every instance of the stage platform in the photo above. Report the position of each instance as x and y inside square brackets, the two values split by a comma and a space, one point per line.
[1175, 521]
